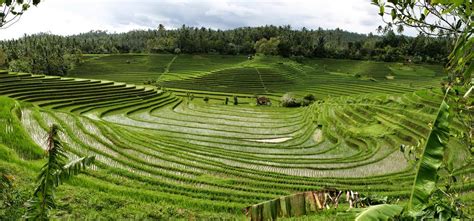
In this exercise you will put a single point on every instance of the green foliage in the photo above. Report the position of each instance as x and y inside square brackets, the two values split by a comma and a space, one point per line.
[442, 206]
[6, 190]
[12, 10]
[284, 41]
[308, 99]
[42, 55]
[431, 160]
[290, 100]
[461, 58]
[20, 65]
[267, 47]
[162, 44]
[12, 134]
[452, 18]
[442, 18]
[12, 197]
[56, 171]
[380, 212]
[3, 58]
[427, 200]
[15, 185]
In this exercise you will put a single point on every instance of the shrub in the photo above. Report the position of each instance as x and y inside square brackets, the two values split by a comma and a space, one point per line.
[20, 65]
[308, 100]
[310, 97]
[305, 102]
[206, 99]
[290, 100]
[267, 47]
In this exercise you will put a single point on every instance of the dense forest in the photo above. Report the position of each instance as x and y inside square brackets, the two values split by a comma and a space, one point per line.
[56, 55]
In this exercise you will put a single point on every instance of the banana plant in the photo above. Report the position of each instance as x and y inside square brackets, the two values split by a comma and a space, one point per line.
[426, 178]
[56, 171]
[431, 160]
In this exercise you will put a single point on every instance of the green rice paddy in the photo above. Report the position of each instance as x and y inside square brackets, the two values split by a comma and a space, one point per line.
[160, 153]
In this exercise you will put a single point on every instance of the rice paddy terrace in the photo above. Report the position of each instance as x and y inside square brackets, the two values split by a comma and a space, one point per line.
[154, 146]
[234, 75]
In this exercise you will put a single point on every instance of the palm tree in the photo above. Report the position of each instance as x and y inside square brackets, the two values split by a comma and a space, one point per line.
[57, 170]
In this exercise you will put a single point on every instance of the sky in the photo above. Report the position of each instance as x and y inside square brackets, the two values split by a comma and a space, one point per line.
[66, 17]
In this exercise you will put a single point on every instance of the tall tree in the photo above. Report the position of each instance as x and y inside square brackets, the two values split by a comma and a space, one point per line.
[267, 47]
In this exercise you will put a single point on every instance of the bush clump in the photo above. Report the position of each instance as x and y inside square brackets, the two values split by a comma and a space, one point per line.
[290, 100]
[308, 99]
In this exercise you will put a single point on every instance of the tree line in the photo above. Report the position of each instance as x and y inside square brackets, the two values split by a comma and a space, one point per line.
[56, 55]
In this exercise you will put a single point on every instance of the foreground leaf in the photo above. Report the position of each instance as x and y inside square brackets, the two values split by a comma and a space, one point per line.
[431, 160]
[380, 212]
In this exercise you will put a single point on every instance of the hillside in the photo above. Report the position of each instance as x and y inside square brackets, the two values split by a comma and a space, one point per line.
[161, 154]
[262, 74]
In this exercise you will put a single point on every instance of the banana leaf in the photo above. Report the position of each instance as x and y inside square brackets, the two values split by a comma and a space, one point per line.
[380, 212]
[430, 161]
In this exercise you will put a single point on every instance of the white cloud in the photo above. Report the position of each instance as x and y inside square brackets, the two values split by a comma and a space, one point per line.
[76, 16]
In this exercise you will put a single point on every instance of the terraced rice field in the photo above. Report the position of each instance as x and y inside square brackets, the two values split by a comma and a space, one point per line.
[153, 146]
[273, 76]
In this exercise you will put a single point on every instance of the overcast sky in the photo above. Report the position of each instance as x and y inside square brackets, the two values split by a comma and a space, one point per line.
[67, 17]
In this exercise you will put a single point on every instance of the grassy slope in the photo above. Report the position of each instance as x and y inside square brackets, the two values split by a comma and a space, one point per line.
[123, 68]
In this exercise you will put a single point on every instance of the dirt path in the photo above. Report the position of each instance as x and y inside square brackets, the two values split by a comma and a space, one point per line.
[168, 66]
[261, 80]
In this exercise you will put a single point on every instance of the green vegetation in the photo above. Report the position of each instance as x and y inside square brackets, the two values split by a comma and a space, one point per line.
[166, 156]
[215, 75]
[138, 69]
[53, 173]
[57, 55]
[376, 127]
[11, 11]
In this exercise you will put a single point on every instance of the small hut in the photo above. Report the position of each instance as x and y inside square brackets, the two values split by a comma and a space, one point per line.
[262, 100]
